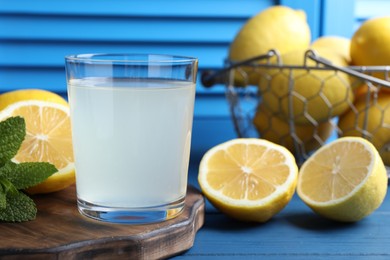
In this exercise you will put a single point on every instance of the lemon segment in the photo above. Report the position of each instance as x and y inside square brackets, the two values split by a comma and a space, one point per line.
[248, 179]
[345, 180]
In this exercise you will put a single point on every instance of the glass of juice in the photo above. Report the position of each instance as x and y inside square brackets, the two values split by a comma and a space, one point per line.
[131, 120]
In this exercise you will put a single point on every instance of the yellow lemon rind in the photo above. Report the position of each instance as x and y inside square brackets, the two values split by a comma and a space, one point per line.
[362, 200]
[7, 112]
[14, 96]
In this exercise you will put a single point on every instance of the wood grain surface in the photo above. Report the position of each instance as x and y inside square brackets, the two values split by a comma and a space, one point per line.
[61, 232]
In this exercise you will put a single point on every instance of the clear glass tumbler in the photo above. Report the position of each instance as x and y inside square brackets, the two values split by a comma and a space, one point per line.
[131, 120]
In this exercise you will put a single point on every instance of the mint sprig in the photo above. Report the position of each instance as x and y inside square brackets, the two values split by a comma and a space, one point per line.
[15, 205]
[19, 207]
[12, 133]
[28, 174]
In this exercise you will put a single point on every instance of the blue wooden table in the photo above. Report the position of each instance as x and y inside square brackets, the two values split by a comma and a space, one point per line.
[295, 233]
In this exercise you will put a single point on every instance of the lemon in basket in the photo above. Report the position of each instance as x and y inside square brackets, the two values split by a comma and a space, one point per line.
[337, 50]
[306, 96]
[370, 118]
[48, 137]
[278, 27]
[297, 139]
[345, 180]
[337, 44]
[370, 44]
[248, 179]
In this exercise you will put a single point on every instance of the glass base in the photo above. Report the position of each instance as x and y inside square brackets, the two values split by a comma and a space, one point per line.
[138, 216]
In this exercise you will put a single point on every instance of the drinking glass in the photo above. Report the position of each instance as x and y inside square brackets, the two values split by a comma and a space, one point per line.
[131, 118]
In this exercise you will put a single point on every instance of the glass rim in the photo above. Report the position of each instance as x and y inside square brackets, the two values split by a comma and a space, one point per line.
[157, 58]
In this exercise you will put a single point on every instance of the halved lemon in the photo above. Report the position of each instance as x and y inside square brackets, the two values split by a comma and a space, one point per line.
[248, 179]
[344, 180]
[48, 139]
[14, 96]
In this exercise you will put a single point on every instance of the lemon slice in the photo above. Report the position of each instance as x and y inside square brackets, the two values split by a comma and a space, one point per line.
[344, 180]
[248, 179]
[48, 139]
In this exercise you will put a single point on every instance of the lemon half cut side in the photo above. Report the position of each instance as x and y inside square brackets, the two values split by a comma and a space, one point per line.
[48, 139]
[344, 180]
[248, 179]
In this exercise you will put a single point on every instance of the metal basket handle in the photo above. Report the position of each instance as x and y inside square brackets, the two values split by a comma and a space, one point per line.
[210, 78]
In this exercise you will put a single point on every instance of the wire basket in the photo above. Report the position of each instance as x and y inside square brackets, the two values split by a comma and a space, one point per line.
[280, 107]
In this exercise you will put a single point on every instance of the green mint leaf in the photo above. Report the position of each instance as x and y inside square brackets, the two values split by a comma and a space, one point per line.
[3, 200]
[12, 133]
[7, 187]
[7, 169]
[28, 174]
[3, 195]
[19, 207]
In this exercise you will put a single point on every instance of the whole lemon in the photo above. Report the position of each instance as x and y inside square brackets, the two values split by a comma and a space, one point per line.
[278, 27]
[337, 44]
[370, 44]
[370, 118]
[306, 96]
[299, 138]
[339, 48]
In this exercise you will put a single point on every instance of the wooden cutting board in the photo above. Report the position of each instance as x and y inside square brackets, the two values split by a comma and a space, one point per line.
[60, 232]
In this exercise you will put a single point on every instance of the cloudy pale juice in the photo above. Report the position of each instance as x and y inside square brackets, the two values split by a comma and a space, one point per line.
[131, 140]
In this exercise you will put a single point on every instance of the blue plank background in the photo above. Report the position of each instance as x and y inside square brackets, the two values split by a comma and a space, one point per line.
[36, 35]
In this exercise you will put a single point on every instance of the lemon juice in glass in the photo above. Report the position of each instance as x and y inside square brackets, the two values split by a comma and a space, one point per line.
[131, 123]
